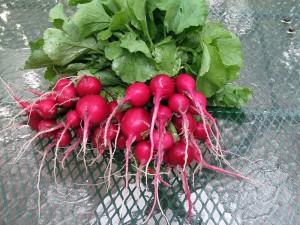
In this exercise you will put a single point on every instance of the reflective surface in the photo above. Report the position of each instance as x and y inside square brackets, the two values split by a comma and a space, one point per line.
[266, 133]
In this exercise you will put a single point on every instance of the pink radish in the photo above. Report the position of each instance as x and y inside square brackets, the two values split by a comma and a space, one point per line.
[200, 132]
[180, 104]
[137, 95]
[44, 127]
[142, 152]
[88, 85]
[179, 124]
[93, 110]
[63, 138]
[161, 87]
[72, 120]
[121, 142]
[64, 82]
[98, 137]
[45, 109]
[97, 140]
[135, 126]
[162, 141]
[118, 117]
[111, 107]
[33, 122]
[66, 96]
[179, 157]
[186, 84]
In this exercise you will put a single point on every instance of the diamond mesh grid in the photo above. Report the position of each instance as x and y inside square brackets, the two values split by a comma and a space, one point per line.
[266, 132]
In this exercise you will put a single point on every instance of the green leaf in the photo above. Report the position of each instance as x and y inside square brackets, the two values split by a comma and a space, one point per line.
[90, 18]
[133, 67]
[215, 78]
[76, 2]
[119, 21]
[222, 58]
[205, 61]
[113, 93]
[212, 31]
[230, 51]
[110, 6]
[50, 74]
[150, 7]
[138, 9]
[167, 58]
[232, 96]
[130, 42]
[37, 58]
[62, 49]
[57, 16]
[108, 78]
[113, 50]
[182, 14]
[74, 68]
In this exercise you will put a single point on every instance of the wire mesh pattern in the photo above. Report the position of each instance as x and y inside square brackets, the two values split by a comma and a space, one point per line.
[266, 133]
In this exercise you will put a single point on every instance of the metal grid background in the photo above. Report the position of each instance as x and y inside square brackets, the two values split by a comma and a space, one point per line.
[266, 131]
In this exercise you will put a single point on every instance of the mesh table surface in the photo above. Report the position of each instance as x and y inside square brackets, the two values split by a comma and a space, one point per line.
[266, 132]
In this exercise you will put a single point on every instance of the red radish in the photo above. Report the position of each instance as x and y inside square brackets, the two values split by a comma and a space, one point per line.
[93, 110]
[45, 126]
[65, 82]
[161, 87]
[111, 107]
[118, 115]
[142, 152]
[186, 84]
[63, 138]
[162, 142]
[180, 104]
[98, 136]
[135, 126]
[177, 154]
[88, 85]
[33, 122]
[179, 124]
[97, 140]
[137, 95]
[121, 142]
[200, 132]
[72, 121]
[45, 109]
[67, 96]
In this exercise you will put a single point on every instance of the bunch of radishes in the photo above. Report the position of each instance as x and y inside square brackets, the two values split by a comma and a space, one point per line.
[163, 125]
